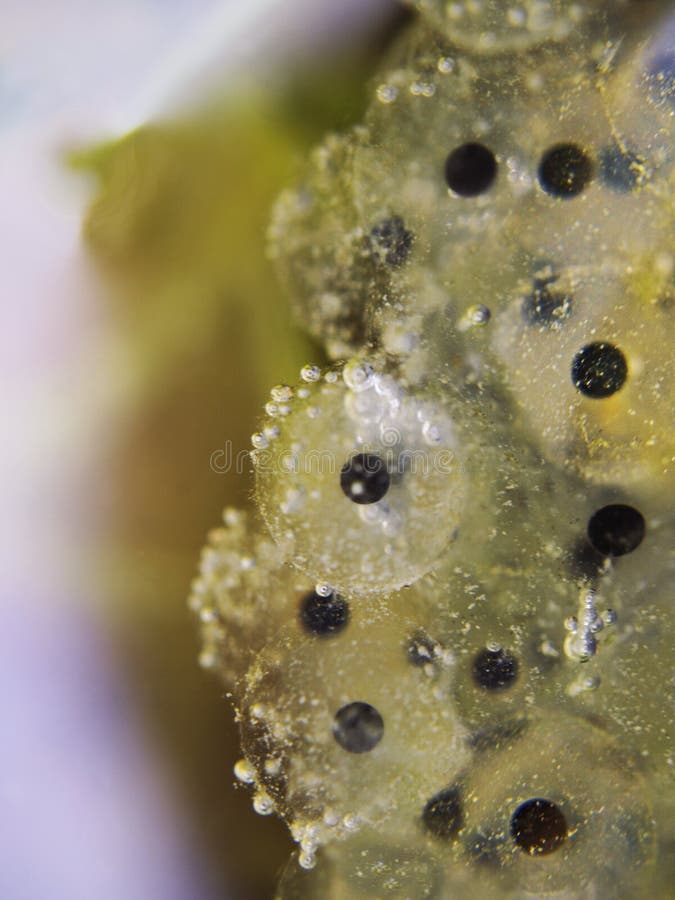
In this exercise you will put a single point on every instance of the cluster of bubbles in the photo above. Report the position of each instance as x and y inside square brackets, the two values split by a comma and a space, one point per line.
[444, 625]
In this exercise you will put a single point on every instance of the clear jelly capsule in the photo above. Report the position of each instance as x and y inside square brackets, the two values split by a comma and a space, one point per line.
[356, 495]
[577, 348]
[558, 808]
[243, 592]
[349, 740]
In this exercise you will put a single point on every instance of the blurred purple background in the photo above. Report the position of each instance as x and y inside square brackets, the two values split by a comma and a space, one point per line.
[88, 811]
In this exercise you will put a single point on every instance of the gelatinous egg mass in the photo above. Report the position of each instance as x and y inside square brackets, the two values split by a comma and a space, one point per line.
[445, 624]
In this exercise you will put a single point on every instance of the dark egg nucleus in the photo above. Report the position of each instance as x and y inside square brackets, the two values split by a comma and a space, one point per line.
[470, 169]
[358, 727]
[364, 478]
[538, 827]
[324, 615]
[565, 170]
[599, 370]
[391, 241]
[494, 668]
[616, 529]
[442, 815]
[545, 307]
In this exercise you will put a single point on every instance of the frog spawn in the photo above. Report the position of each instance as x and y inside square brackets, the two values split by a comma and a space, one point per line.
[580, 149]
[471, 667]
[507, 320]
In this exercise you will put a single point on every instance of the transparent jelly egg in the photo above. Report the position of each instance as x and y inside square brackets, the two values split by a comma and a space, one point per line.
[557, 808]
[578, 355]
[358, 489]
[321, 253]
[353, 752]
[242, 594]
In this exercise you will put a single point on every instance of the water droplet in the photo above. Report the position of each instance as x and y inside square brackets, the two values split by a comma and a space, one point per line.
[310, 373]
[244, 771]
[273, 766]
[358, 376]
[259, 441]
[583, 685]
[386, 93]
[422, 89]
[207, 659]
[350, 822]
[306, 859]
[208, 614]
[263, 803]
[282, 393]
[431, 433]
[478, 314]
[516, 17]
[231, 516]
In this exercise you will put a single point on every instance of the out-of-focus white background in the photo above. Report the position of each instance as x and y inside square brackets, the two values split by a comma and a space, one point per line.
[89, 808]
